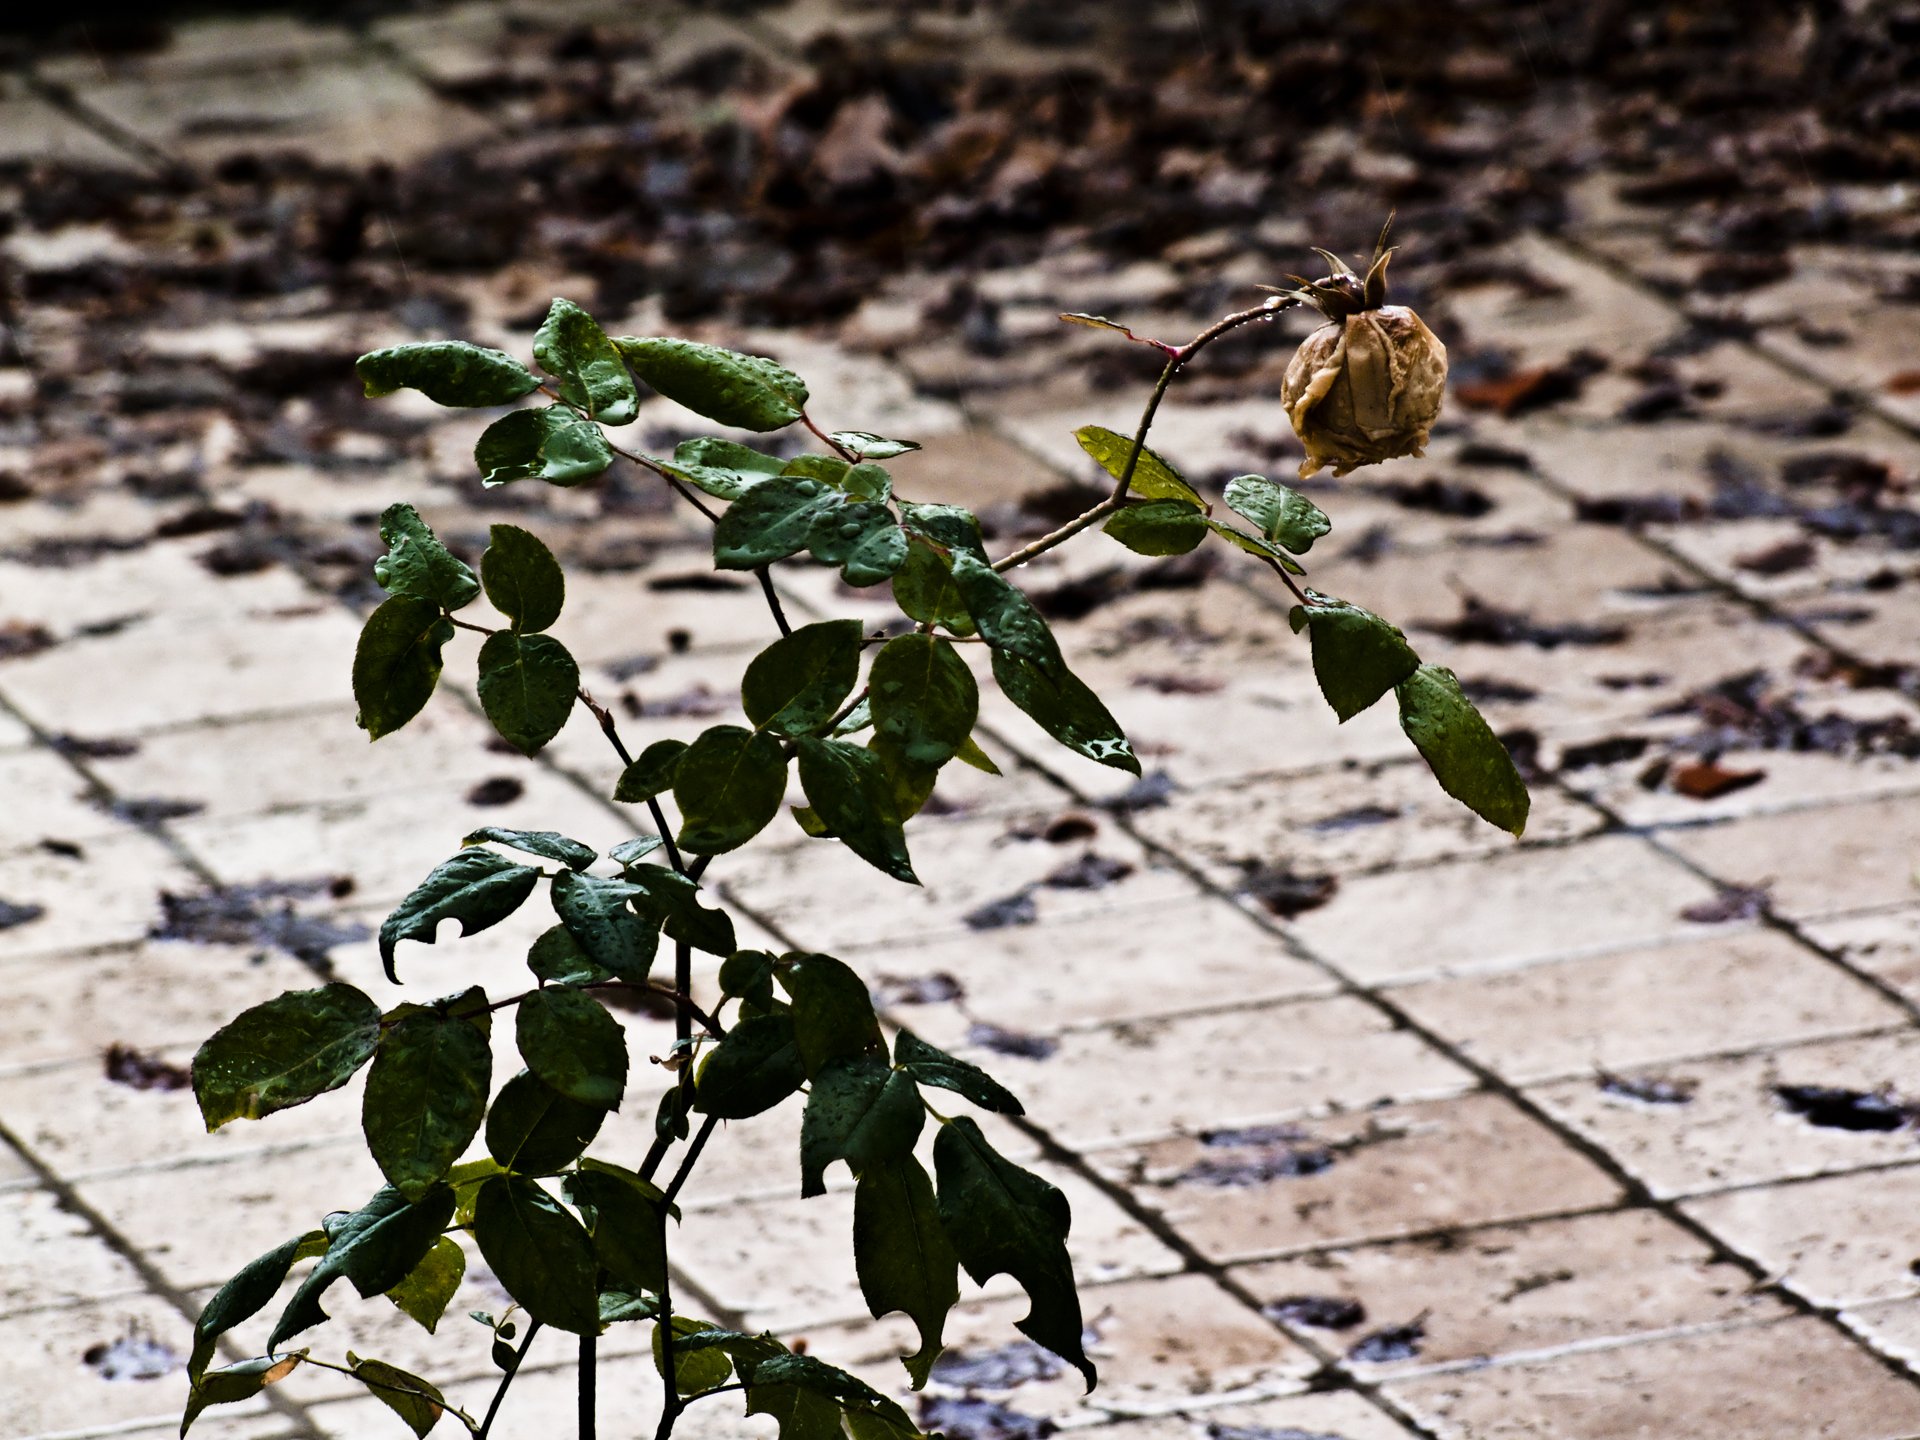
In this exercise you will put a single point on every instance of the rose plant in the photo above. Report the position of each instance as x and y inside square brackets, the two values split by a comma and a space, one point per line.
[866, 720]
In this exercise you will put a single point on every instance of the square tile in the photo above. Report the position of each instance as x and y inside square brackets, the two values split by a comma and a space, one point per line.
[1867, 856]
[1840, 1240]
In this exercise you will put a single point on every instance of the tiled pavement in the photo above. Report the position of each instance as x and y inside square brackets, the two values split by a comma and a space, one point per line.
[1513, 1100]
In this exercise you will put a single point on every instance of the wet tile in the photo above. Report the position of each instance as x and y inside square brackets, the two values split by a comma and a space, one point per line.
[109, 895]
[1731, 991]
[50, 1257]
[1606, 893]
[1841, 1240]
[1885, 944]
[52, 1389]
[1516, 1289]
[1866, 856]
[48, 801]
[1787, 1381]
[1392, 1170]
[1339, 1414]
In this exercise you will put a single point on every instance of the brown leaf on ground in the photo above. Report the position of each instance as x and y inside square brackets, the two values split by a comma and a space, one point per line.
[1709, 780]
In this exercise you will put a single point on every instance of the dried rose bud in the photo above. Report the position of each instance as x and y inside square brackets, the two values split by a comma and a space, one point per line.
[1365, 386]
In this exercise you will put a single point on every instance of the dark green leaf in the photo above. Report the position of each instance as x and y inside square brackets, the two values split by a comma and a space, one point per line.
[418, 566]
[729, 785]
[374, 1247]
[931, 1066]
[426, 1095]
[1467, 757]
[618, 1305]
[1007, 620]
[284, 1052]
[236, 1383]
[696, 1368]
[396, 663]
[753, 1069]
[527, 687]
[869, 446]
[862, 538]
[861, 1111]
[570, 1041]
[771, 521]
[804, 1375]
[246, 1294]
[447, 372]
[534, 1129]
[632, 852]
[1158, 527]
[924, 699]
[748, 392]
[551, 444]
[1254, 545]
[833, 1015]
[476, 887]
[869, 482]
[903, 1256]
[909, 782]
[925, 590]
[574, 349]
[548, 844]
[1284, 516]
[851, 794]
[539, 1252]
[429, 1287]
[1067, 710]
[557, 959]
[652, 773]
[723, 468]
[1006, 1220]
[1153, 477]
[627, 1219]
[524, 582]
[748, 976]
[799, 1413]
[954, 528]
[796, 684]
[597, 914]
[828, 468]
[670, 1115]
[674, 900]
[1357, 656]
[415, 1401]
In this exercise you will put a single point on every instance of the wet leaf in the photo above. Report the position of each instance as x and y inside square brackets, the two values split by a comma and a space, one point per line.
[851, 794]
[1066, 709]
[862, 1111]
[931, 1066]
[425, 1098]
[1006, 619]
[1153, 477]
[753, 1069]
[447, 372]
[771, 521]
[429, 1288]
[925, 590]
[728, 786]
[1158, 527]
[598, 914]
[869, 446]
[1357, 656]
[374, 1248]
[833, 1015]
[235, 1383]
[574, 1046]
[1254, 545]
[527, 686]
[627, 1219]
[651, 773]
[1467, 758]
[246, 1294]
[283, 1053]
[902, 1254]
[416, 1402]
[796, 684]
[534, 1129]
[476, 887]
[862, 538]
[396, 663]
[674, 900]
[551, 444]
[418, 566]
[539, 1252]
[724, 468]
[573, 348]
[924, 699]
[1285, 516]
[548, 844]
[523, 580]
[748, 392]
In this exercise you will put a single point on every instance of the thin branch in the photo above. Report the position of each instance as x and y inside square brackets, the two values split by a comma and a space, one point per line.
[701, 1136]
[765, 572]
[612, 732]
[825, 439]
[493, 1408]
[589, 1355]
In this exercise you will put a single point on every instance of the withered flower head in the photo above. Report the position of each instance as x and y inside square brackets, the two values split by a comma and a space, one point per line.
[1366, 385]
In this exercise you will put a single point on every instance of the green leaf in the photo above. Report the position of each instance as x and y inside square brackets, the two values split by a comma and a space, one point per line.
[524, 582]
[396, 663]
[861, 1111]
[556, 958]
[753, 1069]
[869, 482]
[748, 392]
[374, 1247]
[429, 1288]
[418, 566]
[574, 349]
[534, 1129]
[415, 1401]
[627, 1219]
[674, 900]
[931, 1066]
[527, 687]
[696, 1368]
[652, 773]
[773, 1379]
[670, 1115]
[539, 1252]
[852, 796]
[283, 1053]
[1158, 527]
[909, 782]
[570, 1041]
[476, 887]
[828, 468]
[833, 1015]
[236, 1383]
[551, 444]
[1254, 545]
[925, 590]
[771, 521]
[1005, 1220]
[1007, 620]
[447, 372]
[748, 976]
[869, 446]
[724, 469]
[629, 853]
[1466, 756]
[1067, 710]
[426, 1096]
[924, 699]
[1153, 477]
[862, 538]
[1357, 656]
[729, 785]
[970, 753]
[902, 1254]
[597, 914]
[548, 844]
[954, 528]
[1284, 516]
[796, 684]
[246, 1294]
